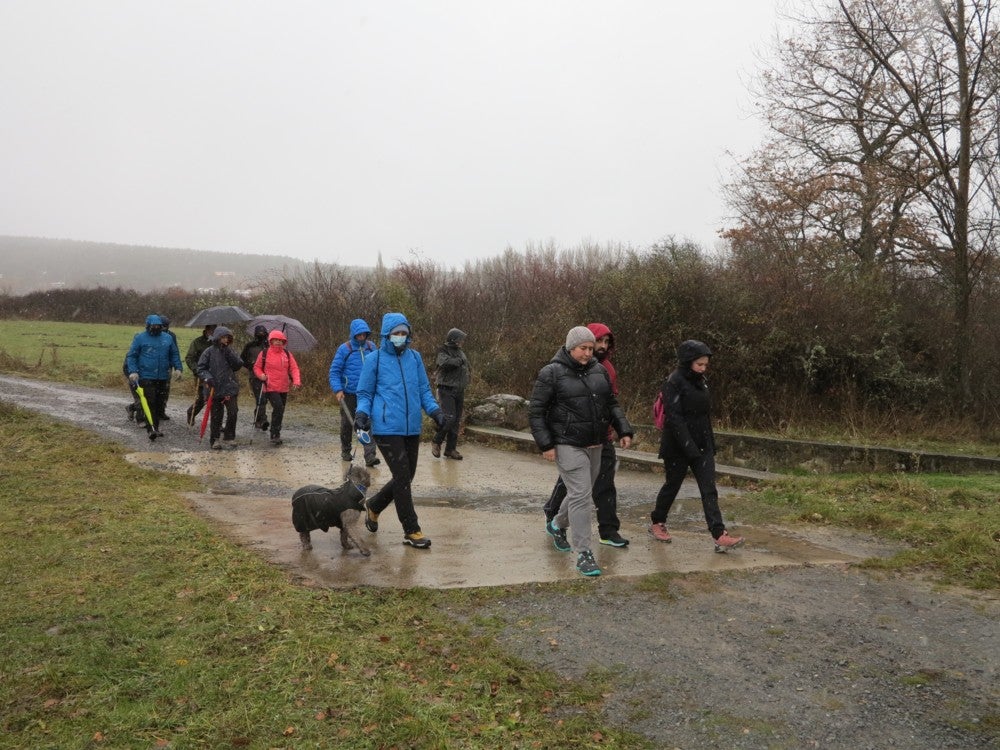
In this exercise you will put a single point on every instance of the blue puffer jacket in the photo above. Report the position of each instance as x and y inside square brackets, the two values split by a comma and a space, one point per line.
[153, 356]
[346, 366]
[394, 387]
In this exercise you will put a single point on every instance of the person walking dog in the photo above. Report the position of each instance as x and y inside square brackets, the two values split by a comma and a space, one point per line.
[392, 390]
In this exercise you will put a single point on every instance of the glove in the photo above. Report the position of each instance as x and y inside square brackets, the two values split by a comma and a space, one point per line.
[362, 422]
[440, 419]
[178, 375]
[134, 377]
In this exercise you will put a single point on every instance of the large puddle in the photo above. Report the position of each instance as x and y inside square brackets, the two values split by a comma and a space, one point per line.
[483, 515]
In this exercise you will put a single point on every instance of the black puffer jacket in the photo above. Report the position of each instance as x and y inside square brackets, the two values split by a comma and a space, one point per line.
[687, 407]
[572, 404]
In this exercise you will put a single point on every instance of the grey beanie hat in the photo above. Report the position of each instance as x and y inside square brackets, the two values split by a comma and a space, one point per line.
[578, 335]
[455, 335]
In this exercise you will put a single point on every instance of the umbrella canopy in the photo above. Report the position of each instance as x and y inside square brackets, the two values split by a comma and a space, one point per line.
[299, 338]
[219, 315]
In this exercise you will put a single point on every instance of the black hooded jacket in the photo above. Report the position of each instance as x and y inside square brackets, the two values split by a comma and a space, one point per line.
[687, 407]
[572, 404]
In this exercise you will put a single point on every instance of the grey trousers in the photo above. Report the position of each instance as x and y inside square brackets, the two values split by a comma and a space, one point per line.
[578, 468]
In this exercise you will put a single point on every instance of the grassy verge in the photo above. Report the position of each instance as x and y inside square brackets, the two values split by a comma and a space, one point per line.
[950, 523]
[129, 622]
[80, 353]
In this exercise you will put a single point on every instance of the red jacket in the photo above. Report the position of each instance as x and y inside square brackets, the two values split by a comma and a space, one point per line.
[280, 367]
[599, 329]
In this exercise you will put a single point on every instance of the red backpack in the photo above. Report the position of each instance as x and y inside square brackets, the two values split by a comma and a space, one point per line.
[659, 414]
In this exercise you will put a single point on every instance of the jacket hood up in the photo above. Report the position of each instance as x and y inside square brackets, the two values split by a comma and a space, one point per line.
[359, 326]
[219, 332]
[393, 320]
[690, 350]
[599, 329]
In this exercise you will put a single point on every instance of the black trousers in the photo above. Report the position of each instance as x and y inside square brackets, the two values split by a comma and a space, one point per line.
[277, 401]
[703, 468]
[259, 405]
[228, 405]
[452, 402]
[400, 453]
[200, 394]
[605, 494]
[155, 392]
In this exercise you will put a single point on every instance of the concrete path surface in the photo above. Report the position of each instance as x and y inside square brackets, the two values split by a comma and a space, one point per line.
[483, 515]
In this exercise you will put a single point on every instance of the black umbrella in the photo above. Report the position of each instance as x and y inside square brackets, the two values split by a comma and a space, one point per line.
[219, 315]
[299, 338]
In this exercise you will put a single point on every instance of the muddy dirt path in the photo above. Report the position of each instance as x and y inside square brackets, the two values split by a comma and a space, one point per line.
[783, 644]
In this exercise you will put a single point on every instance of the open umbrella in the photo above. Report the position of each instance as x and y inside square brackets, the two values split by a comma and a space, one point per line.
[219, 315]
[299, 338]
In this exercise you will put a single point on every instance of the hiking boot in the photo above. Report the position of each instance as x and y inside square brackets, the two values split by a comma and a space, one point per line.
[264, 425]
[436, 450]
[614, 539]
[345, 455]
[417, 539]
[558, 536]
[659, 532]
[453, 454]
[164, 417]
[727, 542]
[276, 440]
[130, 411]
[586, 564]
[373, 461]
[371, 519]
[153, 434]
[306, 541]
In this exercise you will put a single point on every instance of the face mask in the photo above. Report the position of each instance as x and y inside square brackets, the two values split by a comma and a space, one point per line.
[398, 341]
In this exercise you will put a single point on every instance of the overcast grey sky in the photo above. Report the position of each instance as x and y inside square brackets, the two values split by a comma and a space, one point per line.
[334, 130]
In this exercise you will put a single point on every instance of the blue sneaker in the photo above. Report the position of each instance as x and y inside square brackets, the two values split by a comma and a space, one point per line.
[586, 564]
[558, 536]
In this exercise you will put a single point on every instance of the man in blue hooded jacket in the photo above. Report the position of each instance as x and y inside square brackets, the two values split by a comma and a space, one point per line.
[148, 362]
[345, 369]
[392, 391]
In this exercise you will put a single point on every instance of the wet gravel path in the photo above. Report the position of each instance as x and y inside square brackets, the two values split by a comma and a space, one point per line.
[803, 657]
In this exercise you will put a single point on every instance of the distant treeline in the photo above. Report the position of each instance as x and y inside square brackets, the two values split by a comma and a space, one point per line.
[796, 344]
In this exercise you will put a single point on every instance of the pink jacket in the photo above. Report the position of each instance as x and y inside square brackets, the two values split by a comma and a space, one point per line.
[280, 367]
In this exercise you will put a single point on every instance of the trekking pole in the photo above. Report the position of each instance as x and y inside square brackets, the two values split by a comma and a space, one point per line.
[256, 412]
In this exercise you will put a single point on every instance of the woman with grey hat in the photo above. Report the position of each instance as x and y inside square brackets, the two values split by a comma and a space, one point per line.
[570, 410]
[452, 377]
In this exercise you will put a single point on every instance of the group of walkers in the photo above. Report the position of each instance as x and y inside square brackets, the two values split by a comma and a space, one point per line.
[152, 358]
[574, 418]
[383, 391]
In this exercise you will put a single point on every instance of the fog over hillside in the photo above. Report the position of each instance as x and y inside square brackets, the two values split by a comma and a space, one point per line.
[29, 264]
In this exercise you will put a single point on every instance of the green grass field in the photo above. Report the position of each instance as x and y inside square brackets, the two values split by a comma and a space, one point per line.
[130, 622]
[83, 353]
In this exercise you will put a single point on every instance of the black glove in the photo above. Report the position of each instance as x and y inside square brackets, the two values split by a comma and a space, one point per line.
[362, 422]
[440, 419]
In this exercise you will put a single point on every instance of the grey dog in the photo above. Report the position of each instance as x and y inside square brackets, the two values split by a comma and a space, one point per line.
[315, 507]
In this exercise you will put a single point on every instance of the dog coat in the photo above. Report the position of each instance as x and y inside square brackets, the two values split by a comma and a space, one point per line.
[315, 507]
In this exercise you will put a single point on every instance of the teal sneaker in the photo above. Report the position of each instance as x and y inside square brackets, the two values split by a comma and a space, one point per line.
[558, 536]
[586, 564]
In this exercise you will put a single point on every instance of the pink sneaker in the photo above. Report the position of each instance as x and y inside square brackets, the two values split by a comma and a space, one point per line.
[727, 542]
[659, 532]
